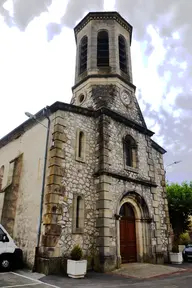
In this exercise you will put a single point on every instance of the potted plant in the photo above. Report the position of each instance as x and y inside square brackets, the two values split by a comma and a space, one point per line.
[76, 267]
[176, 257]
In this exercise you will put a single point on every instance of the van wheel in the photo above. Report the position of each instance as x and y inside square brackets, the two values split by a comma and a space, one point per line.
[5, 264]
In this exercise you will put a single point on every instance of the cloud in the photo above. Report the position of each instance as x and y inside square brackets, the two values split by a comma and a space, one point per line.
[76, 10]
[184, 101]
[53, 29]
[172, 22]
[24, 11]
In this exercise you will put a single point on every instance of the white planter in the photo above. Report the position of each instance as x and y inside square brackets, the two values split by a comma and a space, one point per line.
[176, 258]
[76, 269]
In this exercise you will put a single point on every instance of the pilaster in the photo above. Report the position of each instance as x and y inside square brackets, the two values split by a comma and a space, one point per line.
[11, 196]
[106, 258]
[49, 252]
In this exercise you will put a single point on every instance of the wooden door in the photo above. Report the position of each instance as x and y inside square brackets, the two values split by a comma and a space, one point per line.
[127, 234]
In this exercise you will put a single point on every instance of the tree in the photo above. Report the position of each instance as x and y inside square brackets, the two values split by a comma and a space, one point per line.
[179, 198]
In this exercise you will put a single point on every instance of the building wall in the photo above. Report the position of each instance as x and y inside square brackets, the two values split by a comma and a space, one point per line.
[79, 180]
[117, 132]
[31, 145]
[149, 168]
[67, 178]
[161, 212]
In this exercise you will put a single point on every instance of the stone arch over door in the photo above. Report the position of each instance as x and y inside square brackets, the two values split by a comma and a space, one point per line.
[142, 226]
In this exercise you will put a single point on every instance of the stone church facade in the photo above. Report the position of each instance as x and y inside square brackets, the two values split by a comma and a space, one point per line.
[105, 179]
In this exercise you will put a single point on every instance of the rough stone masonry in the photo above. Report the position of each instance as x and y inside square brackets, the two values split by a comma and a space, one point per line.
[105, 179]
[99, 177]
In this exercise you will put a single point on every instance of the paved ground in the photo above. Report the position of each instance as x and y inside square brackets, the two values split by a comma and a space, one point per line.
[112, 281]
[146, 271]
[15, 280]
[26, 279]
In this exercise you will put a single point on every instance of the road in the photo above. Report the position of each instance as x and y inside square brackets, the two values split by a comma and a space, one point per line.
[96, 280]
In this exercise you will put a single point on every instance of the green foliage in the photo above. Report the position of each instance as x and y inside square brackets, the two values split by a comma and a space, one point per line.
[184, 238]
[175, 248]
[76, 253]
[180, 205]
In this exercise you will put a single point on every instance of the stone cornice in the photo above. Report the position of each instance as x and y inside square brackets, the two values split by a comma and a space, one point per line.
[104, 76]
[103, 16]
[125, 178]
[128, 122]
[157, 147]
[20, 130]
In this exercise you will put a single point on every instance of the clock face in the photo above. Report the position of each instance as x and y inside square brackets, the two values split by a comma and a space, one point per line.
[126, 98]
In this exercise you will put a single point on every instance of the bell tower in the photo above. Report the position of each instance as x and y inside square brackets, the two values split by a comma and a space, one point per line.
[103, 73]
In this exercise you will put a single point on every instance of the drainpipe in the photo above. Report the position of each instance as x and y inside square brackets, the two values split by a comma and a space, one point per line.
[42, 189]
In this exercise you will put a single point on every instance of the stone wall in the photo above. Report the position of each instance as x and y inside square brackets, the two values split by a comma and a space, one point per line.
[69, 177]
[100, 177]
[117, 132]
[163, 241]
[79, 181]
[92, 90]
[147, 180]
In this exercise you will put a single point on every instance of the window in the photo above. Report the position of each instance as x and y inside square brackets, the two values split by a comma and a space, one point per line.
[81, 98]
[130, 150]
[122, 54]
[80, 146]
[1, 176]
[78, 206]
[126, 211]
[81, 142]
[103, 49]
[78, 214]
[3, 236]
[83, 55]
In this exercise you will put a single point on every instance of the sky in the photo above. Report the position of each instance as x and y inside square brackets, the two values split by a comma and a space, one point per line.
[37, 63]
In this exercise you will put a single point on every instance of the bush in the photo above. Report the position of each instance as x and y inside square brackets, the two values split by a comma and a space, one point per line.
[76, 253]
[184, 239]
[175, 248]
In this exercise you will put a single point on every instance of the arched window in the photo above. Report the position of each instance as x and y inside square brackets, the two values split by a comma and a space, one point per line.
[83, 55]
[80, 146]
[122, 54]
[126, 211]
[103, 49]
[130, 151]
[1, 176]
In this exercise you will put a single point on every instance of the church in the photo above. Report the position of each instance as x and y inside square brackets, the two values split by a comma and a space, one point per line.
[103, 186]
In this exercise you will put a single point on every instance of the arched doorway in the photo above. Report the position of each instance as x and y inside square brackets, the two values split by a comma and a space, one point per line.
[128, 244]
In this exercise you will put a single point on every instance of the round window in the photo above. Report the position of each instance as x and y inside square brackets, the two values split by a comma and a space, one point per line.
[81, 98]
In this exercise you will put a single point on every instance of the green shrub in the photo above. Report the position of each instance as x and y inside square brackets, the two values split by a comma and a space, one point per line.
[184, 239]
[175, 248]
[76, 253]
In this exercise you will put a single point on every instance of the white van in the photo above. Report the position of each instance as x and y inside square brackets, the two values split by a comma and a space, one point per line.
[10, 255]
